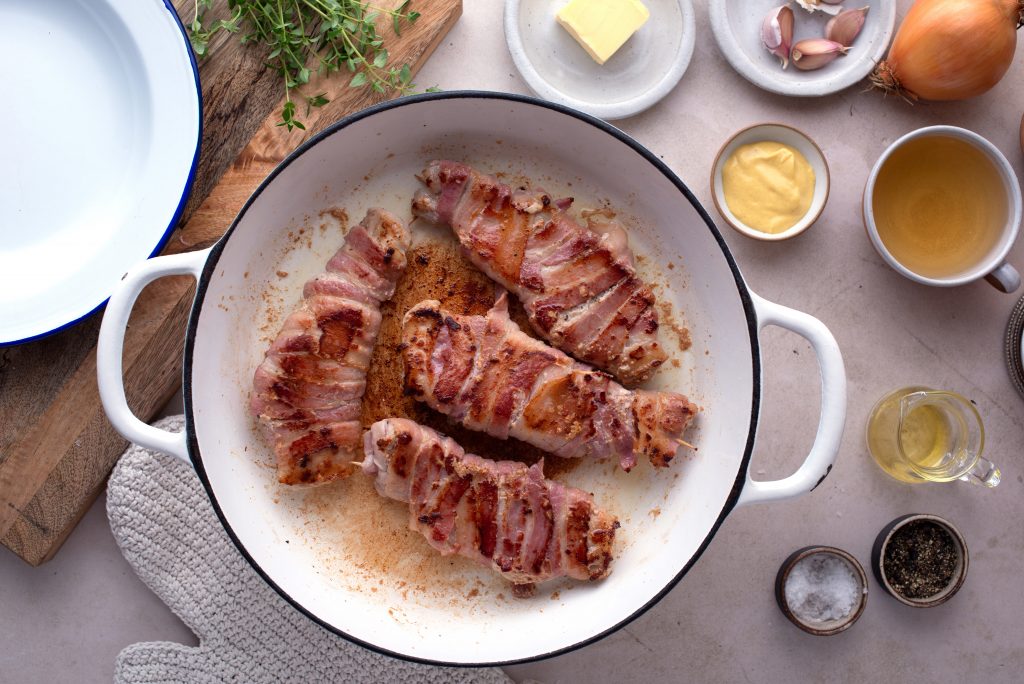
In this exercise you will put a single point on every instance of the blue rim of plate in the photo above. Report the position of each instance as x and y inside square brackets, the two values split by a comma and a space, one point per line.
[185, 191]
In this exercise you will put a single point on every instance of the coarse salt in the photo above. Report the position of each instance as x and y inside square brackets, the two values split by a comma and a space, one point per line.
[822, 587]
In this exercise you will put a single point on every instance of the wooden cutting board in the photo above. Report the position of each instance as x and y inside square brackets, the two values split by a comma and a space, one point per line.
[56, 446]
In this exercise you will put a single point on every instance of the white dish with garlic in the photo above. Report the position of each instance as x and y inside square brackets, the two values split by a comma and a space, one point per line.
[739, 27]
[640, 73]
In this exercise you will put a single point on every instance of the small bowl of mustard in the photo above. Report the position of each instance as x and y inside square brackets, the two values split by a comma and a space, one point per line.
[770, 181]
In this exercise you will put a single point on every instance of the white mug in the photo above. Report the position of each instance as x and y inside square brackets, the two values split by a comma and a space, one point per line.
[993, 267]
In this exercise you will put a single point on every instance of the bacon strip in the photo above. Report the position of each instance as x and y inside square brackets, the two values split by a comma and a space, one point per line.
[486, 373]
[307, 390]
[578, 284]
[500, 514]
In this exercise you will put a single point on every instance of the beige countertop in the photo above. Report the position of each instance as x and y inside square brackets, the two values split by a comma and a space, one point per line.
[68, 619]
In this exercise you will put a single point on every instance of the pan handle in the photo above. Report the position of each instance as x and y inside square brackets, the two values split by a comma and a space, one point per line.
[110, 346]
[823, 452]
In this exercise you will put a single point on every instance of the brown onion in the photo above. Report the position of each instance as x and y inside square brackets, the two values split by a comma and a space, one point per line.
[951, 49]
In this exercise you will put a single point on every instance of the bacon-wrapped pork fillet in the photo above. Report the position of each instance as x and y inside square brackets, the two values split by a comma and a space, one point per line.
[486, 373]
[501, 514]
[307, 390]
[578, 284]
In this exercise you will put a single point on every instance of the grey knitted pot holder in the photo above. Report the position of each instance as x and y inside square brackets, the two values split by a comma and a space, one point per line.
[168, 532]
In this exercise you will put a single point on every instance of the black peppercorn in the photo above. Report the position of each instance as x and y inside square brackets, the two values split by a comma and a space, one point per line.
[920, 559]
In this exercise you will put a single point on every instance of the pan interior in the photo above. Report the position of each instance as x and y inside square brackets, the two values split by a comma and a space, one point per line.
[343, 554]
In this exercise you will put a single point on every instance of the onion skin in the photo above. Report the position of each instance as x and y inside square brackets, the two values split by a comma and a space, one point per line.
[951, 49]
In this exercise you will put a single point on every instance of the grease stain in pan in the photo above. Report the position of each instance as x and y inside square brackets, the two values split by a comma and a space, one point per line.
[361, 539]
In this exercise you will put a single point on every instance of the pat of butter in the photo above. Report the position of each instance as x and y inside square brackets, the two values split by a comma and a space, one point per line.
[602, 26]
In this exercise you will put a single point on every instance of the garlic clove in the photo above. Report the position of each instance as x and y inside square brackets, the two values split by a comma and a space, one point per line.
[821, 6]
[777, 33]
[844, 27]
[815, 53]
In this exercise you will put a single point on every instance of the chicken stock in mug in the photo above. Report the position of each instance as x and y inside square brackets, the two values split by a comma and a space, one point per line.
[942, 206]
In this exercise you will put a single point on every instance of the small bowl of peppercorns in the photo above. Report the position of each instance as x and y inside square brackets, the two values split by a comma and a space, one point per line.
[920, 560]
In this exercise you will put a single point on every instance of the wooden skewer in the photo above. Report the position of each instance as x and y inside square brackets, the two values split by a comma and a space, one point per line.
[686, 444]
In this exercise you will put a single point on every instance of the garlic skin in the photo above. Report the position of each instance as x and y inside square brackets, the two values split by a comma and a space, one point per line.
[846, 26]
[815, 53]
[821, 6]
[777, 33]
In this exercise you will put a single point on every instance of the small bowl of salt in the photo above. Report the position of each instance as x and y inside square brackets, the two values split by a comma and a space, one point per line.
[821, 589]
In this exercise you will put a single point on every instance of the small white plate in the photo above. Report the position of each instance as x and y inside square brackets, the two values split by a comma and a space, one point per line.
[99, 154]
[787, 135]
[557, 68]
[737, 28]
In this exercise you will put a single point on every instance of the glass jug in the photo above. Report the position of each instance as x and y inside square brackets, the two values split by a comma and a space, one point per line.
[918, 434]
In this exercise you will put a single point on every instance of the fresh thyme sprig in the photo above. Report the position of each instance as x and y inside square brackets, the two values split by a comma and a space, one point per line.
[330, 35]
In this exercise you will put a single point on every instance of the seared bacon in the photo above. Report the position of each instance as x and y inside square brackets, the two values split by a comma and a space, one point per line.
[501, 514]
[578, 284]
[308, 388]
[486, 373]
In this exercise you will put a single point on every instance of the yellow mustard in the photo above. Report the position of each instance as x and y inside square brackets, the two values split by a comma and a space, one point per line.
[768, 186]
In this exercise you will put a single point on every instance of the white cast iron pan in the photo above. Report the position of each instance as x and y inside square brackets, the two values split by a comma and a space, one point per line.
[342, 555]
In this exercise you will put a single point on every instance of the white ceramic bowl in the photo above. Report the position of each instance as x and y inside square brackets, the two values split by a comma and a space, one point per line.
[641, 73]
[736, 25]
[99, 156]
[786, 135]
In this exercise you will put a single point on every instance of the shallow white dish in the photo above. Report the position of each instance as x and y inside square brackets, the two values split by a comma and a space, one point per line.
[99, 161]
[641, 73]
[787, 135]
[736, 25]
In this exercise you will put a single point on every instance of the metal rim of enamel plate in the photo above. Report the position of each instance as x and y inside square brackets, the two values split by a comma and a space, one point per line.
[1014, 353]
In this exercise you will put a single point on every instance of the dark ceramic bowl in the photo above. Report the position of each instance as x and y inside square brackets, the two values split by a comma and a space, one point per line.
[829, 627]
[959, 572]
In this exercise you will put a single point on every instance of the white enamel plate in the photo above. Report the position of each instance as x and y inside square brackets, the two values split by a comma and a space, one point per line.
[100, 149]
